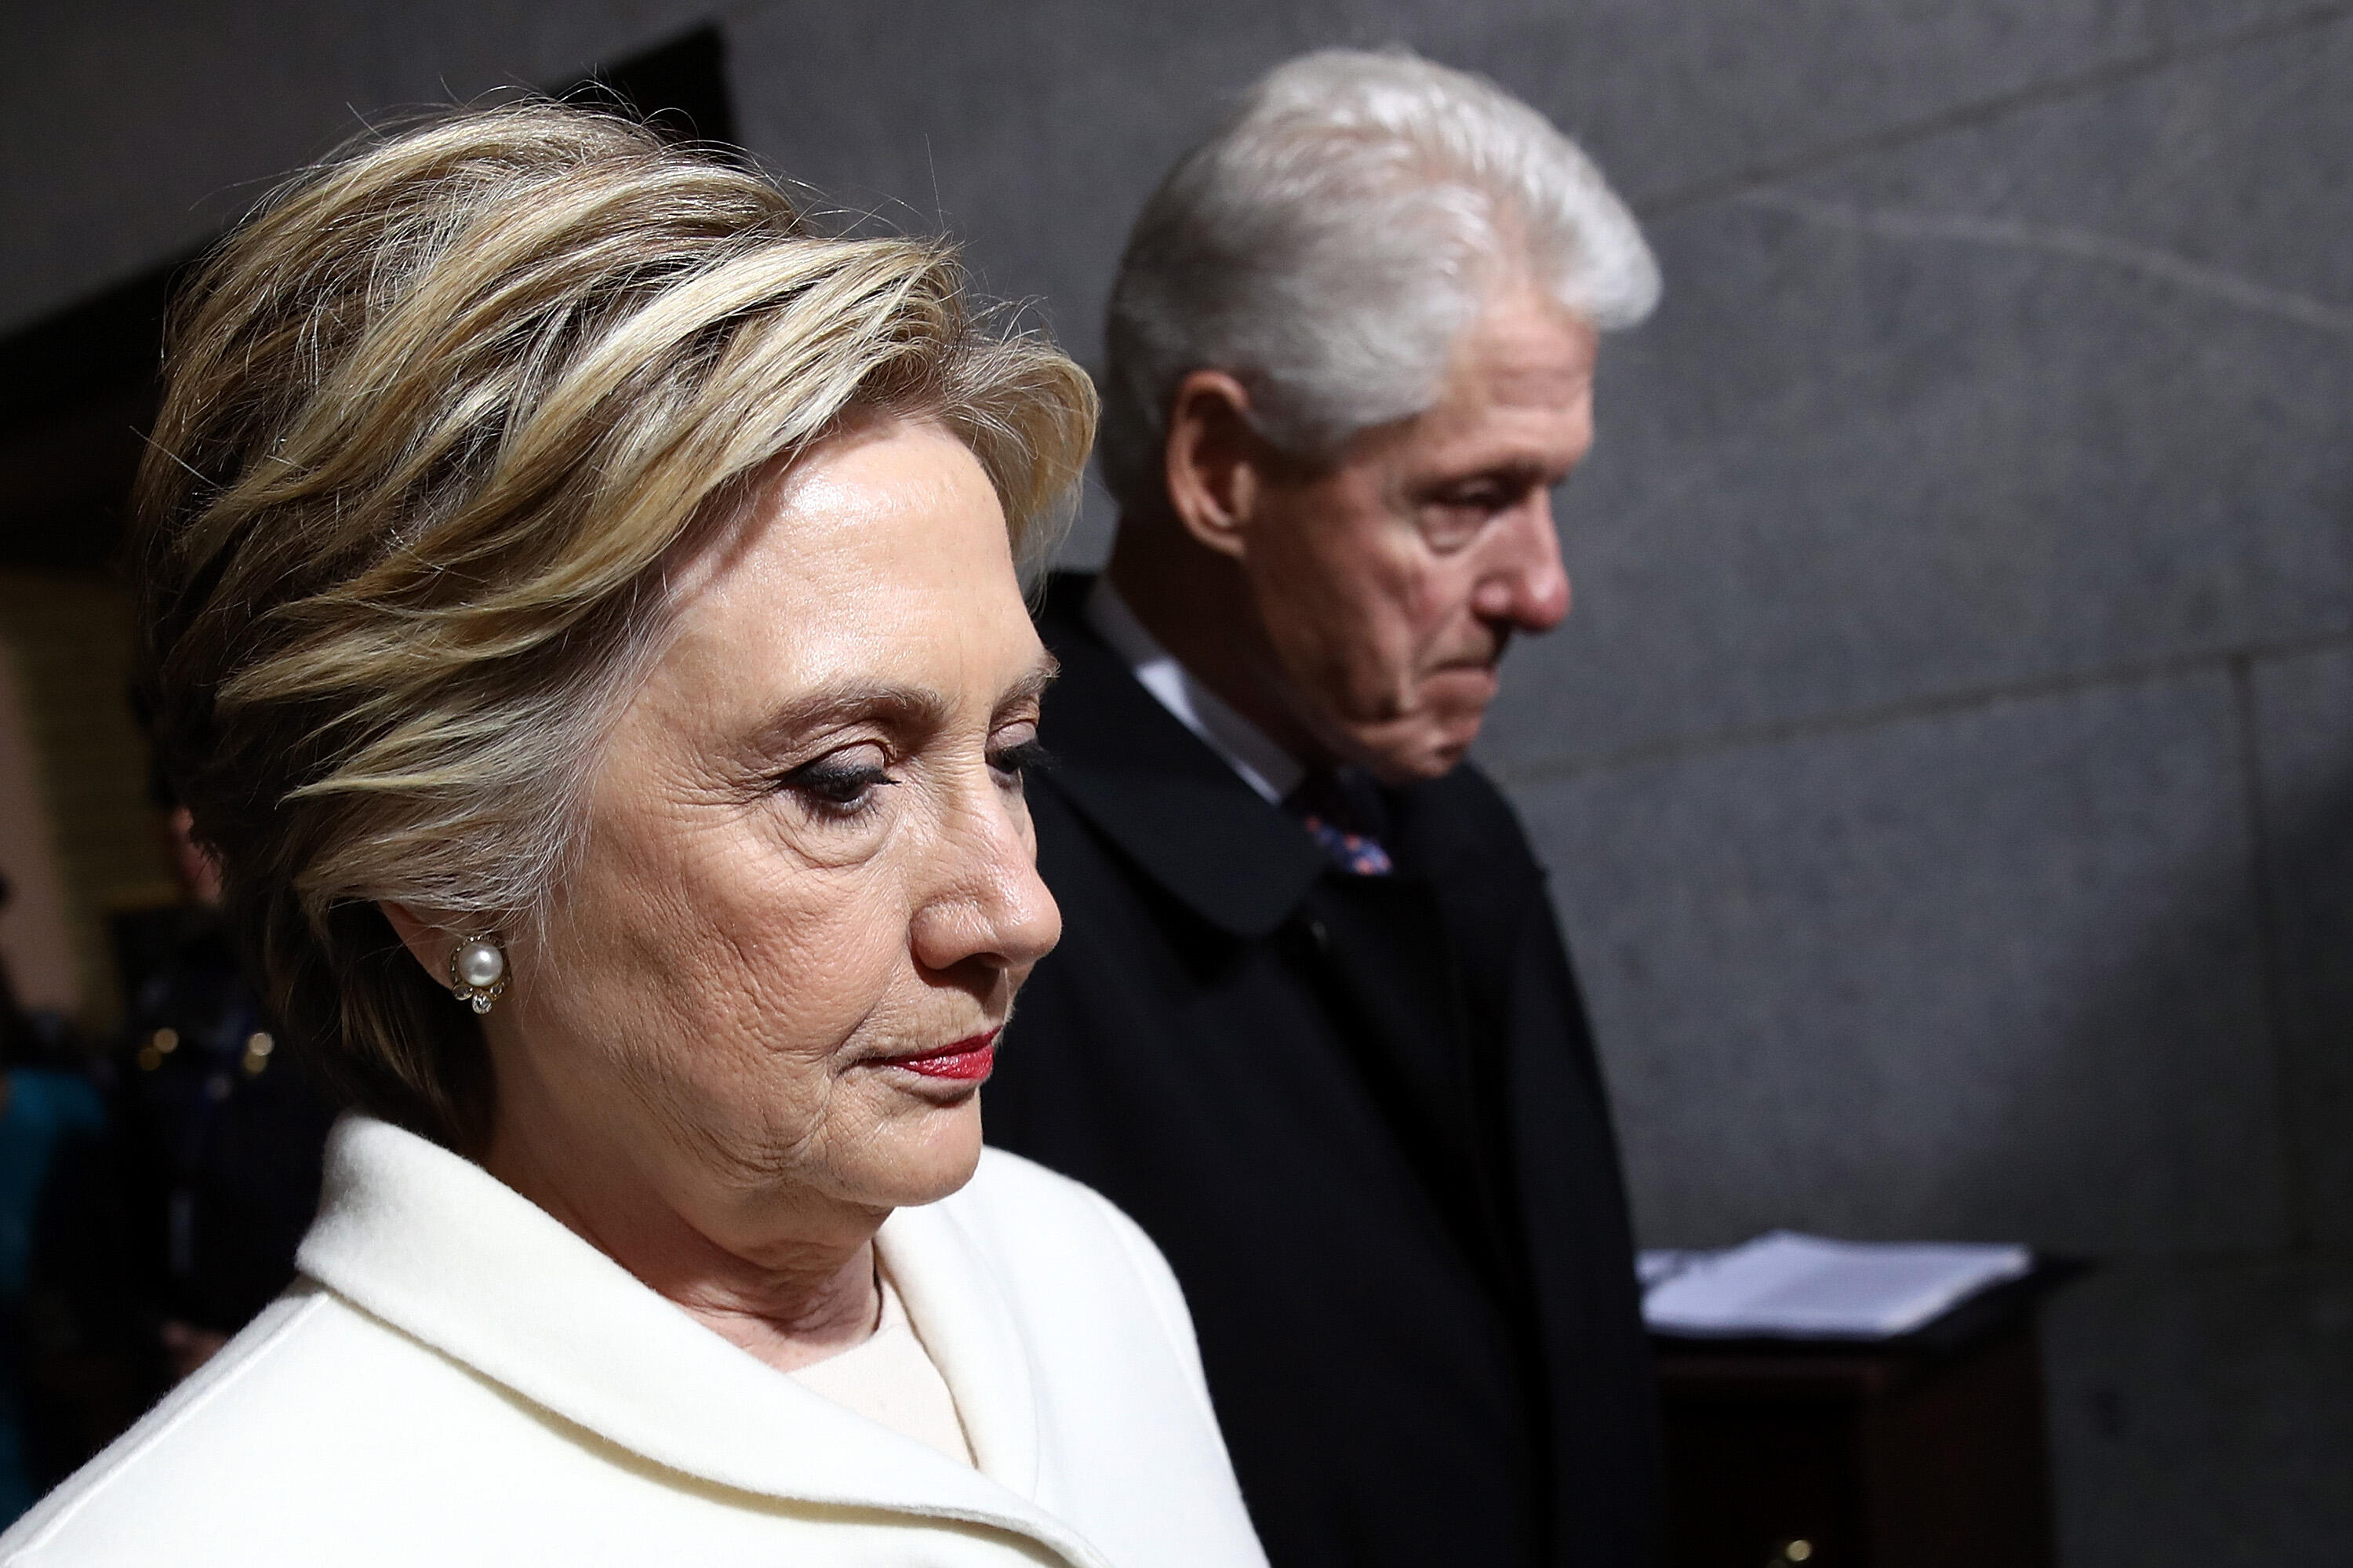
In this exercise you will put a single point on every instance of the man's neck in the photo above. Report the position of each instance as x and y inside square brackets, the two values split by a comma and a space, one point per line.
[1197, 604]
[1265, 766]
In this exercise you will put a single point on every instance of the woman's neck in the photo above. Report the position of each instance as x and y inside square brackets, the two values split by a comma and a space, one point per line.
[803, 1291]
[790, 1329]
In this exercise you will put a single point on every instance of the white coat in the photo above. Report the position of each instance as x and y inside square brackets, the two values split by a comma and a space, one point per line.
[458, 1379]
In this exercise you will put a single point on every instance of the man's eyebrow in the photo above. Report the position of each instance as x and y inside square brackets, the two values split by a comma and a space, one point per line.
[1515, 470]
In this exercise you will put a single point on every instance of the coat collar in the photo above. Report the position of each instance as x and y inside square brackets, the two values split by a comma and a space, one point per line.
[441, 1250]
[1151, 786]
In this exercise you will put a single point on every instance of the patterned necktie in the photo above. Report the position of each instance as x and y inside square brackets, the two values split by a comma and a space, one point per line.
[1342, 812]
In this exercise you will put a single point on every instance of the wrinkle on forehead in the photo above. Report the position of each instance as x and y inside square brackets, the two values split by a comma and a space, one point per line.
[1519, 395]
[1500, 361]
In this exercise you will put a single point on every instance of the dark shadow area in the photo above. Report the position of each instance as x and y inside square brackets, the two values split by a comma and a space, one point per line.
[78, 388]
[76, 392]
[2309, 907]
[680, 89]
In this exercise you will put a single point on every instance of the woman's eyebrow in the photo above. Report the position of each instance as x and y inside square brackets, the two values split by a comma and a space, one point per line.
[906, 710]
[1030, 687]
[901, 709]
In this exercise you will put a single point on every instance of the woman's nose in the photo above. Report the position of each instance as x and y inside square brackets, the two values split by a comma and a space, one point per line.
[993, 906]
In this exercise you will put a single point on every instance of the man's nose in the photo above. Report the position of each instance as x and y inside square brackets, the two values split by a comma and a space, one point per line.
[1521, 581]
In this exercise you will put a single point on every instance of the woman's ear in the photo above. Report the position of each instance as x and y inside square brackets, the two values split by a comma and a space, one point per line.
[428, 942]
[1214, 462]
[471, 966]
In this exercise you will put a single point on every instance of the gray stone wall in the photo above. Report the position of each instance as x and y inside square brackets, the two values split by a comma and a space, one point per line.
[133, 129]
[1948, 772]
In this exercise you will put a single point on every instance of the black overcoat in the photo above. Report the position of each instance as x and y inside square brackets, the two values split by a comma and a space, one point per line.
[1363, 1118]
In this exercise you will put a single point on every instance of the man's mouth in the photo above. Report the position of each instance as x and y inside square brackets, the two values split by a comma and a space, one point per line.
[1481, 679]
[1486, 657]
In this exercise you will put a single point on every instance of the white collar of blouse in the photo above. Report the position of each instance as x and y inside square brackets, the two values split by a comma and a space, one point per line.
[438, 1248]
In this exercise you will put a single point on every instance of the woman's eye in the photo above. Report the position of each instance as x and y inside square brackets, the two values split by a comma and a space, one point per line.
[1013, 761]
[836, 783]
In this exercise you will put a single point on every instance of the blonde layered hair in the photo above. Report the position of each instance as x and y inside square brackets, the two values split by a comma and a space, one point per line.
[439, 418]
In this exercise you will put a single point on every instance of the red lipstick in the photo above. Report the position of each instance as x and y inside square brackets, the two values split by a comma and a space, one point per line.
[968, 1060]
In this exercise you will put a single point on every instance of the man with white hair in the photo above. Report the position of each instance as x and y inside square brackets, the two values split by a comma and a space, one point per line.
[1312, 1021]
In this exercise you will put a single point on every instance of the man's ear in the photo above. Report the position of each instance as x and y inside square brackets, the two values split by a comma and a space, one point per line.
[1215, 463]
[428, 942]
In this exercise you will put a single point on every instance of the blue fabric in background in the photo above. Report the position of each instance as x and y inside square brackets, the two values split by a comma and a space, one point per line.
[42, 1110]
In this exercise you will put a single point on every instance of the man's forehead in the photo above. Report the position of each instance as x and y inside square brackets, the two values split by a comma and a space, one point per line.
[1529, 401]
[1531, 383]
[1522, 350]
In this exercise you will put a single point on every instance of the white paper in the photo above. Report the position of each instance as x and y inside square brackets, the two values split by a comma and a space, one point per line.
[1655, 1268]
[1784, 1285]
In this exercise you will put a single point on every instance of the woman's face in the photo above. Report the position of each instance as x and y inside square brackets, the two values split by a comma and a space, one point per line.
[808, 893]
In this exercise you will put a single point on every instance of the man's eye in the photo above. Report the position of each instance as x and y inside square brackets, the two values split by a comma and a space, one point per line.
[1479, 500]
[1454, 519]
[836, 783]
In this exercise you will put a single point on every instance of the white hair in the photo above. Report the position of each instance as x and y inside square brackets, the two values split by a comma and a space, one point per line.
[1334, 235]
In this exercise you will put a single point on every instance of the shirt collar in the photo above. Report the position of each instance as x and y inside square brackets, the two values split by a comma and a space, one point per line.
[1263, 765]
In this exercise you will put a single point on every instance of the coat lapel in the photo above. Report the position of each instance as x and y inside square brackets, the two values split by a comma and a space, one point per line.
[965, 1319]
[442, 1251]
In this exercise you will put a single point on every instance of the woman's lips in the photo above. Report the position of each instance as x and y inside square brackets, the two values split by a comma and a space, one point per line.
[968, 1059]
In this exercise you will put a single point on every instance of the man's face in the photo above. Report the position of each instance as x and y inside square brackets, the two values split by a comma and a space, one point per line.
[1389, 583]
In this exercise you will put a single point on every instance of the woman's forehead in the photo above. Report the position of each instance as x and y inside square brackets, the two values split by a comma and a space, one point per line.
[883, 558]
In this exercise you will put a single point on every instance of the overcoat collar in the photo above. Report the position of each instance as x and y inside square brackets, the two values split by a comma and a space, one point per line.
[441, 1250]
[1152, 787]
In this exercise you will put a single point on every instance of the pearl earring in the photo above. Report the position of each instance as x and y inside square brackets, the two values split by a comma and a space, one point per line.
[478, 973]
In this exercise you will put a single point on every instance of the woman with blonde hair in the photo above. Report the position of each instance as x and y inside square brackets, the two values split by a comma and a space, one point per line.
[583, 615]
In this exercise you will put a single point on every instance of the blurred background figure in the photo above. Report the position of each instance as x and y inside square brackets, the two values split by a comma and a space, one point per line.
[151, 1191]
[220, 1138]
[52, 1128]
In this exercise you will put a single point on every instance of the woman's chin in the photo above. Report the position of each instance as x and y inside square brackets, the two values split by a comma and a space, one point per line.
[925, 1157]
